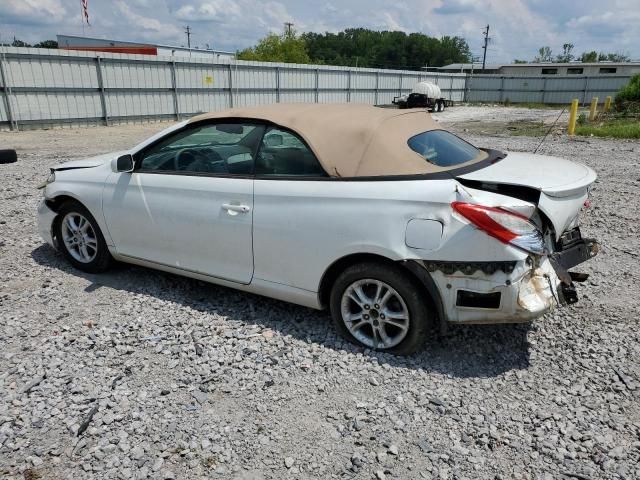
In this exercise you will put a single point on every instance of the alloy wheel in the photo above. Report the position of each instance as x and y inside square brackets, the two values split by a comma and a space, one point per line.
[79, 237]
[375, 313]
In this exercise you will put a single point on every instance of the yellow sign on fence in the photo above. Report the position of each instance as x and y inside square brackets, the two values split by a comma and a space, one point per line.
[208, 80]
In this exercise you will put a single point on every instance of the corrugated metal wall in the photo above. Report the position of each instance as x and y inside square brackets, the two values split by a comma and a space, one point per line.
[542, 89]
[56, 86]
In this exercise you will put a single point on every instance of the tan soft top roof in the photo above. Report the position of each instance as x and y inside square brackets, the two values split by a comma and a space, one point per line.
[349, 140]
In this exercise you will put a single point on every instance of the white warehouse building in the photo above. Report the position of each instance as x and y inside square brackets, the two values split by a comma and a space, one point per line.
[89, 44]
[535, 69]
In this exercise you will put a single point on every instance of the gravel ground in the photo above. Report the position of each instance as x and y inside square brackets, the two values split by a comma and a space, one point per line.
[141, 374]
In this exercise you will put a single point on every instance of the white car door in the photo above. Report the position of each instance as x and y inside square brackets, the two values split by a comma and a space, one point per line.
[189, 202]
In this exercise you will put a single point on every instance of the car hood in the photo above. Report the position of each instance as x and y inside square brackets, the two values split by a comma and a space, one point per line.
[87, 162]
[563, 184]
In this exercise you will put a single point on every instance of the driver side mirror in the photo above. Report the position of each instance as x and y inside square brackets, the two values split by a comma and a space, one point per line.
[124, 164]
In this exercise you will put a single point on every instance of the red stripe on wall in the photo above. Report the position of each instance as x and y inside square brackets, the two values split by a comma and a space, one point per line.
[141, 50]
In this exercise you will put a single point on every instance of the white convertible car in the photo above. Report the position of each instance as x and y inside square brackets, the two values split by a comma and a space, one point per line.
[391, 222]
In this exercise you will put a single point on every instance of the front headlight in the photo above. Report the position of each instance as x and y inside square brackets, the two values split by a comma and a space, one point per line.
[50, 179]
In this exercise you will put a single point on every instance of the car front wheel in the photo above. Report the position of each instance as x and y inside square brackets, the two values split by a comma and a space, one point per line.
[380, 307]
[80, 238]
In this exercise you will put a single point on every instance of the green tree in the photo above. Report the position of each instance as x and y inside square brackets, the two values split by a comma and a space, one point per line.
[47, 44]
[287, 48]
[19, 43]
[613, 57]
[544, 55]
[566, 55]
[518, 61]
[589, 57]
[385, 49]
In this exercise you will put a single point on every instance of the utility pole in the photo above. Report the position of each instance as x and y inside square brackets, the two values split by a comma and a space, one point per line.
[188, 32]
[484, 47]
[287, 28]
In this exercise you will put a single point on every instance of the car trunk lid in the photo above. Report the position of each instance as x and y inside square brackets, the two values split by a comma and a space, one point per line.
[559, 187]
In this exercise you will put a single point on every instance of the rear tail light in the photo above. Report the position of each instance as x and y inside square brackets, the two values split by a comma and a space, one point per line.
[508, 227]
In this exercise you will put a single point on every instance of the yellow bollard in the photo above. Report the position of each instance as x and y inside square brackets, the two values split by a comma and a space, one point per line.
[607, 103]
[593, 109]
[573, 113]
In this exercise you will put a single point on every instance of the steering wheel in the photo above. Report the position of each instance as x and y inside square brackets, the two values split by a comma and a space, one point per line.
[195, 160]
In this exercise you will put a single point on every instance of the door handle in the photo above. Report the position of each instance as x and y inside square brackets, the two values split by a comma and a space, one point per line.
[235, 209]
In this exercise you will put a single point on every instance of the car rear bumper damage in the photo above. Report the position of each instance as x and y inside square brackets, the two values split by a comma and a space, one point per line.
[508, 292]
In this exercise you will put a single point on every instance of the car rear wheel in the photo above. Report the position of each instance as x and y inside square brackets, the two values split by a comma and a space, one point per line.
[80, 238]
[380, 307]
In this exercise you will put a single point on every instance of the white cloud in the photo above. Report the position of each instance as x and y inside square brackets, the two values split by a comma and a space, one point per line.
[148, 27]
[32, 12]
[518, 27]
[214, 10]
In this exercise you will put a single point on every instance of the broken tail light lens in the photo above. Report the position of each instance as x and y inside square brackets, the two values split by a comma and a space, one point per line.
[508, 227]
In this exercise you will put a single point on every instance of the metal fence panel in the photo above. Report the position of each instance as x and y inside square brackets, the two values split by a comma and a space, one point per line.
[57, 86]
[138, 76]
[244, 77]
[53, 73]
[205, 101]
[334, 80]
[389, 81]
[332, 97]
[36, 106]
[201, 76]
[363, 97]
[298, 97]
[249, 99]
[297, 78]
[139, 104]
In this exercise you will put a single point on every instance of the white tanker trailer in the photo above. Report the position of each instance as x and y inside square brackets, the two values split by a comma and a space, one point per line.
[424, 95]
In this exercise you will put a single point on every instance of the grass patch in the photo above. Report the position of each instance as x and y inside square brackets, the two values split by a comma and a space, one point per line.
[621, 128]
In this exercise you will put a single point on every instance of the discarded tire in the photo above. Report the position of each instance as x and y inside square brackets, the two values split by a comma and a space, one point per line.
[8, 156]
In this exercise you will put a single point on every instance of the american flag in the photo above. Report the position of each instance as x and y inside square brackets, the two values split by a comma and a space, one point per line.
[85, 10]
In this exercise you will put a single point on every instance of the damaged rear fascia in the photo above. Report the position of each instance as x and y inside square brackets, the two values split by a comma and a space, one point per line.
[527, 194]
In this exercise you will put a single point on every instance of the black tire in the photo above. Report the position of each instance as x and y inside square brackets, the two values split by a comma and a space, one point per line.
[8, 156]
[420, 316]
[443, 105]
[102, 259]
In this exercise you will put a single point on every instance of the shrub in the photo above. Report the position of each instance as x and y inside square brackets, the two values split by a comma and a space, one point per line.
[582, 119]
[629, 94]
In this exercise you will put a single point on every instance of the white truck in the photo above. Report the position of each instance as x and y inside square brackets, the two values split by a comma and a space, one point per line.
[424, 95]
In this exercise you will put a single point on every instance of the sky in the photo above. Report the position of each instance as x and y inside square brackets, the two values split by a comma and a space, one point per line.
[517, 27]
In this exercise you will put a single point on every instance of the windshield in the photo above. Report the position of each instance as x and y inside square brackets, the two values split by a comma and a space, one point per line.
[443, 148]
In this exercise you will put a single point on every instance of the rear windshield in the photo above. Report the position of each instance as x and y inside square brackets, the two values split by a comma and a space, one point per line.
[443, 148]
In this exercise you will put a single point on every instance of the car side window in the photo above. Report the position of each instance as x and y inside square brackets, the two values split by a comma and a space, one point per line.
[215, 148]
[283, 153]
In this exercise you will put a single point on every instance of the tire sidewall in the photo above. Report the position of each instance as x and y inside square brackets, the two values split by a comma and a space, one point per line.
[394, 276]
[102, 258]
